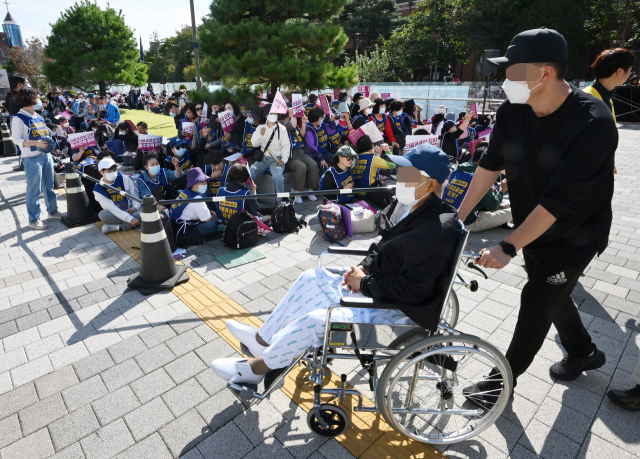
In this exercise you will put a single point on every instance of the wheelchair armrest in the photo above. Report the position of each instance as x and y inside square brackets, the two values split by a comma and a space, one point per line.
[348, 250]
[366, 303]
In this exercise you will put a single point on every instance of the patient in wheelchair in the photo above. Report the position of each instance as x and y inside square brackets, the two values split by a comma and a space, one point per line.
[408, 267]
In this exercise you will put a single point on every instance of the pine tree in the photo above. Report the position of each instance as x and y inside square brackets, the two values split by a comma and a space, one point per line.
[89, 47]
[274, 43]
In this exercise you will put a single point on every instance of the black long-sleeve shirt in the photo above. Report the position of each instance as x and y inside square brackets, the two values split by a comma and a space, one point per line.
[563, 162]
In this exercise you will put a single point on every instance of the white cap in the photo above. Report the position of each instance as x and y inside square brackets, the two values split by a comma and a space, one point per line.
[106, 163]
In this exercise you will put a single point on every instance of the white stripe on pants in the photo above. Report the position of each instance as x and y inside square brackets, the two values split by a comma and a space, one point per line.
[298, 322]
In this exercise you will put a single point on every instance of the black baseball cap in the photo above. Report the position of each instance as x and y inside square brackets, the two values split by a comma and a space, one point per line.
[535, 45]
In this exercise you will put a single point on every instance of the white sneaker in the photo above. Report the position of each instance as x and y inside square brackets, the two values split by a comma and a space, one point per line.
[235, 370]
[312, 197]
[246, 334]
[298, 199]
[110, 228]
[38, 225]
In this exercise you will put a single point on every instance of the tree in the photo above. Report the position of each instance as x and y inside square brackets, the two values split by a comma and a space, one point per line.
[29, 61]
[156, 63]
[374, 66]
[613, 23]
[189, 73]
[371, 19]
[274, 43]
[177, 51]
[89, 46]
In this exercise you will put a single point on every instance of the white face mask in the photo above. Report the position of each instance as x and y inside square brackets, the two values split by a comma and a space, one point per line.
[180, 152]
[368, 111]
[110, 176]
[407, 195]
[272, 118]
[382, 110]
[399, 112]
[517, 92]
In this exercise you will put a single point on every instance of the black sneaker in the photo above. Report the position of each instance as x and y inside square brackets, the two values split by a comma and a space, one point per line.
[570, 368]
[485, 393]
[627, 399]
[19, 168]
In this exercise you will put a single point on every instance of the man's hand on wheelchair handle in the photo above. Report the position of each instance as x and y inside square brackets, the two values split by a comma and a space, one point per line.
[493, 257]
[353, 277]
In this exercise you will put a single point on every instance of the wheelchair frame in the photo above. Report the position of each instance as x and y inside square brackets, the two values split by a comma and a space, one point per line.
[316, 359]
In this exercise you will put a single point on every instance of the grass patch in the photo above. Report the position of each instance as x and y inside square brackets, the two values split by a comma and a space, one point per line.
[158, 124]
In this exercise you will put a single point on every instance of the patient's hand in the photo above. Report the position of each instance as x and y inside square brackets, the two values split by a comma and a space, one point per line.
[352, 278]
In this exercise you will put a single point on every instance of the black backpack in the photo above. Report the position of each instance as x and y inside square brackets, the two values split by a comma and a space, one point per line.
[241, 231]
[283, 219]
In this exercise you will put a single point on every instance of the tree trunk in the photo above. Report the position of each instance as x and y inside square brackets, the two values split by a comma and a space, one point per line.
[103, 88]
[274, 89]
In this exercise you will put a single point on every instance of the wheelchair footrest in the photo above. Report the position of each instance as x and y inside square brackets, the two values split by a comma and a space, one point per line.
[244, 392]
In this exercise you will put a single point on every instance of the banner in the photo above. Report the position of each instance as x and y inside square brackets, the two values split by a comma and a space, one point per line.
[485, 133]
[324, 103]
[395, 95]
[369, 129]
[279, 106]
[415, 140]
[385, 95]
[226, 119]
[204, 118]
[148, 142]
[82, 139]
[457, 187]
[187, 128]
[147, 93]
[364, 90]
[298, 107]
[336, 94]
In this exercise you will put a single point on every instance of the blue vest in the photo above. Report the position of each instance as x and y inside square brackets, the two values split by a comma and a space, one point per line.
[121, 201]
[323, 138]
[297, 142]
[157, 187]
[247, 148]
[227, 209]
[380, 124]
[342, 179]
[359, 115]
[184, 163]
[473, 135]
[36, 126]
[362, 172]
[176, 210]
[57, 103]
[396, 122]
[457, 187]
[307, 108]
[86, 162]
[214, 185]
[334, 139]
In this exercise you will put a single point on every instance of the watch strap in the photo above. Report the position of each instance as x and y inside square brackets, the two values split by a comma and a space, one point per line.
[507, 248]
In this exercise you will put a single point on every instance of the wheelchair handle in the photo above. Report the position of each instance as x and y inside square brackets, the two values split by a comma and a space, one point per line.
[473, 255]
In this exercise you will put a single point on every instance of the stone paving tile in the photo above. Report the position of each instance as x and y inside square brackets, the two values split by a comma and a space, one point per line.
[259, 422]
[17, 399]
[115, 405]
[271, 448]
[226, 443]
[41, 414]
[122, 374]
[36, 446]
[73, 427]
[84, 393]
[93, 365]
[9, 431]
[185, 367]
[184, 433]
[147, 419]
[150, 448]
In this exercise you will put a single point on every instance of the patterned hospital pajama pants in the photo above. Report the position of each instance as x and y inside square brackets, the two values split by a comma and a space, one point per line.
[298, 322]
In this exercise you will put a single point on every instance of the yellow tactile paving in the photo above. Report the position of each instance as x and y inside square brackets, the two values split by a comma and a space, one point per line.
[368, 435]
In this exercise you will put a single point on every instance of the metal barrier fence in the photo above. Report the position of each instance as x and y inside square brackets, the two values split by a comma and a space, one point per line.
[123, 193]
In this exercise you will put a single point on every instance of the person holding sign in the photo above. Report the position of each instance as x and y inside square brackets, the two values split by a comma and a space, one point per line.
[317, 138]
[450, 135]
[118, 214]
[339, 176]
[180, 153]
[130, 139]
[378, 116]
[313, 99]
[366, 171]
[31, 136]
[560, 189]
[343, 127]
[300, 163]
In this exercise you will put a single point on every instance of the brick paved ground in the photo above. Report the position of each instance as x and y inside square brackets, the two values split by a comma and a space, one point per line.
[91, 369]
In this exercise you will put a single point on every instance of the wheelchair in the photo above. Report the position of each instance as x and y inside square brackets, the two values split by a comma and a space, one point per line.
[417, 380]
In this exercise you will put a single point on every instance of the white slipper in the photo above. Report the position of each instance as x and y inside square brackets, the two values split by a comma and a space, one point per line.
[235, 370]
[246, 334]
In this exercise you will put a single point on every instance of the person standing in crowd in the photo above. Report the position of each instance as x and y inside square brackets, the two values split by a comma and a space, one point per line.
[560, 187]
[449, 140]
[17, 81]
[118, 214]
[354, 106]
[31, 135]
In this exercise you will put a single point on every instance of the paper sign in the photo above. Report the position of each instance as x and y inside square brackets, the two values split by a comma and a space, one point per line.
[324, 103]
[485, 133]
[278, 106]
[395, 96]
[233, 157]
[372, 131]
[204, 118]
[296, 104]
[4, 79]
[473, 108]
[114, 91]
[415, 140]
[385, 95]
[66, 114]
[82, 139]
[364, 90]
[226, 120]
[187, 128]
[148, 142]
[63, 99]
[147, 93]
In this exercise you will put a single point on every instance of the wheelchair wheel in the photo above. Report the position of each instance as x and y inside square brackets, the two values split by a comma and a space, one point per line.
[451, 310]
[420, 392]
[333, 415]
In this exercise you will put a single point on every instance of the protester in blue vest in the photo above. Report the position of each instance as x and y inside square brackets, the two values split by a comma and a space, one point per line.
[313, 99]
[156, 181]
[217, 170]
[339, 176]
[179, 151]
[397, 132]
[236, 179]
[111, 109]
[317, 138]
[195, 215]
[362, 117]
[450, 135]
[343, 127]
[118, 214]
[304, 168]
[253, 117]
[31, 135]
[366, 171]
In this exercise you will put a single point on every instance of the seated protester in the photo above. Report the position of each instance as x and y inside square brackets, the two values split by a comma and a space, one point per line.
[490, 212]
[130, 139]
[217, 170]
[157, 181]
[300, 163]
[253, 118]
[190, 116]
[362, 117]
[449, 139]
[379, 117]
[237, 178]
[397, 132]
[84, 153]
[408, 266]
[365, 172]
[437, 121]
[180, 152]
[317, 138]
[275, 136]
[195, 215]
[111, 110]
[343, 127]
[311, 104]
[119, 214]
[354, 106]
[61, 148]
[410, 115]
[339, 176]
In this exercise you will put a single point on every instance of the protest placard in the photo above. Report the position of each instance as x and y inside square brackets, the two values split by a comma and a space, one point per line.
[324, 103]
[485, 133]
[148, 142]
[188, 127]
[226, 120]
[369, 129]
[413, 141]
[279, 106]
[336, 94]
[385, 95]
[82, 139]
[205, 117]
[395, 95]
[364, 90]
[147, 93]
[66, 115]
[473, 108]
[441, 110]
[114, 91]
[298, 107]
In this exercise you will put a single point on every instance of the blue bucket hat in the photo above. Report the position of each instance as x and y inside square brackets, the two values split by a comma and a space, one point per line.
[176, 142]
[427, 158]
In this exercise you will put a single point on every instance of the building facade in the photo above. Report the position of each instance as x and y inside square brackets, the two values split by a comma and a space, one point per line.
[12, 29]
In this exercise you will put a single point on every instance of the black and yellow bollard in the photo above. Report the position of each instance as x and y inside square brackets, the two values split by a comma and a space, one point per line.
[7, 142]
[158, 269]
[79, 210]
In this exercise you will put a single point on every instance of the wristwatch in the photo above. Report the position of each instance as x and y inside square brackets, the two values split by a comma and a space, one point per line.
[507, 248]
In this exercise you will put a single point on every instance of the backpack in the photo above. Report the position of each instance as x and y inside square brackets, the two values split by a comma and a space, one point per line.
[241, 231]
[283, 219]
[331, 222]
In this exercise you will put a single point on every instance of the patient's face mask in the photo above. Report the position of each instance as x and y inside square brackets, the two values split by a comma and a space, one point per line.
[408, 182]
